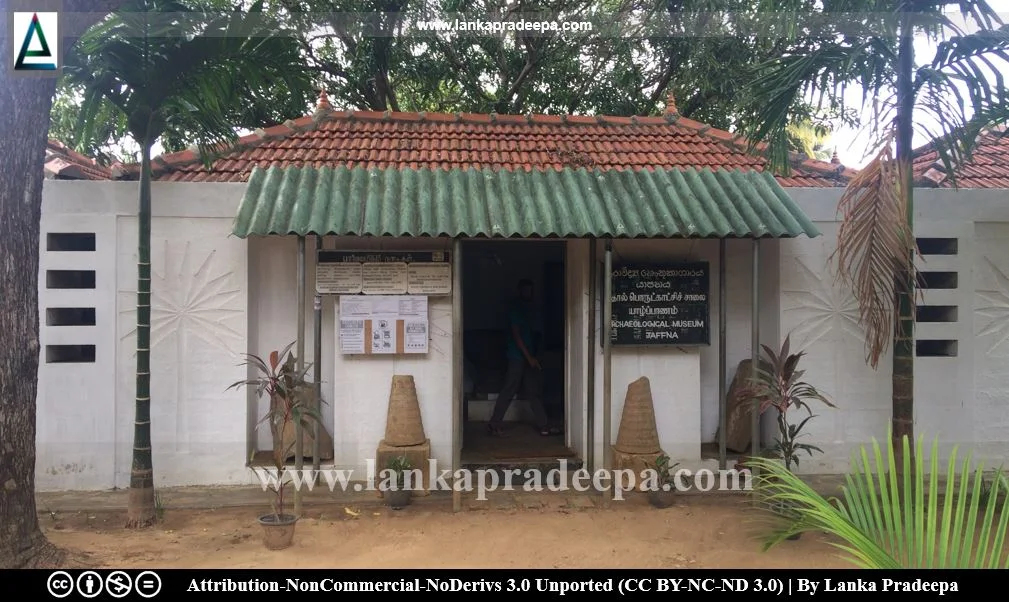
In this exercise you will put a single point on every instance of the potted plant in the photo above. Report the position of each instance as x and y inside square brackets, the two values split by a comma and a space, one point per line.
[779, 385]
[397, 495]
[292, 402]
[665, 492]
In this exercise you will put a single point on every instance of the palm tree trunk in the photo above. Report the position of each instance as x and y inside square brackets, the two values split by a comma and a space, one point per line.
[141, 509]
[903, 336]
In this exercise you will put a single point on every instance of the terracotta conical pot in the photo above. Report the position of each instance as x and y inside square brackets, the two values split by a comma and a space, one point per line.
[404, 426]
[638, 433]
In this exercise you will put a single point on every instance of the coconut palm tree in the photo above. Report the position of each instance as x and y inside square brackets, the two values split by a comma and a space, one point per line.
[949, 100]
[810, 139]
[171, 67]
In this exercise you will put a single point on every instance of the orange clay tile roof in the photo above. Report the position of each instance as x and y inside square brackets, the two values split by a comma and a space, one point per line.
[64, 163]
[512, 142]
[988, 167]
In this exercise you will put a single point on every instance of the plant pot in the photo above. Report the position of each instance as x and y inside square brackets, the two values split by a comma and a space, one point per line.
[661, 499]
[278, 530]
[397, 499]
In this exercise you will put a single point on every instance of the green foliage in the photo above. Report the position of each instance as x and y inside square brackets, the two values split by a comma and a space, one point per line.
[664, 469]
[779, 385]
[371, 55]
[108, 142]
[399, 468]
[956, 92]
[810, 139]
[634, 54]
[180, 73]
[893, 514]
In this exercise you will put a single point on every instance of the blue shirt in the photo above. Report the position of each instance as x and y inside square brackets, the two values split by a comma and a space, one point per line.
[518, 316]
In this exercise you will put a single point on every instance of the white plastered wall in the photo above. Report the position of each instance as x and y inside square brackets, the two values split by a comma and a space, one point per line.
[85, 411]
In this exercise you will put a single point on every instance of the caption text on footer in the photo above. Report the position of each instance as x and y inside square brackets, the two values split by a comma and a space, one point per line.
[148, 584]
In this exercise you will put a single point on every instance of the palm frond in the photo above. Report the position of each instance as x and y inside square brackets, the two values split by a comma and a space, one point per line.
[875, 244]
[890, 519]
[963, 92]
[175, 68]
[823, 69]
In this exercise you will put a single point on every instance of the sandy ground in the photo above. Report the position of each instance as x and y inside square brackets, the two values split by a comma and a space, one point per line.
[693, 534]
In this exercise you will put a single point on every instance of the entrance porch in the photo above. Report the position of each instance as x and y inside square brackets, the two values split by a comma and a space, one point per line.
[601, 219]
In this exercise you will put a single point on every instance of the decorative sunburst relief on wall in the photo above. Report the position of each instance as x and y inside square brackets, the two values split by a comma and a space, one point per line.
[993, 303]
[191, 297]
[823, 307]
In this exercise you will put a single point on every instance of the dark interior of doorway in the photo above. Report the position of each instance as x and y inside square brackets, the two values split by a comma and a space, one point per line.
[491, 273]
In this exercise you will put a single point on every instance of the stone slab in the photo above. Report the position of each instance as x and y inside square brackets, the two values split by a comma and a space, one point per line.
[637, 463]
[419, 457]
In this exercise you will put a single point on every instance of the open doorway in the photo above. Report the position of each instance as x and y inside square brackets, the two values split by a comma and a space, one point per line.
[496, 276]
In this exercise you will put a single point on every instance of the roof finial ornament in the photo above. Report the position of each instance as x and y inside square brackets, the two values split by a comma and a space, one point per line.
[834, 158]
[671, 105]
[323, 104]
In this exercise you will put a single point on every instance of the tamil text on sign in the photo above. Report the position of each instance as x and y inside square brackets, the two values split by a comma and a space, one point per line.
[661, 305]
[383, 273]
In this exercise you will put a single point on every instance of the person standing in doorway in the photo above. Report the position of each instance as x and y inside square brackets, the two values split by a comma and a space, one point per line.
[524, 370]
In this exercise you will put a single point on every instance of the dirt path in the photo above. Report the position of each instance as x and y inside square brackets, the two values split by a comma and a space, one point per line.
[690, 535]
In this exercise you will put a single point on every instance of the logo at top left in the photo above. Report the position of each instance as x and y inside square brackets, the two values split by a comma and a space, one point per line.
[36, 41]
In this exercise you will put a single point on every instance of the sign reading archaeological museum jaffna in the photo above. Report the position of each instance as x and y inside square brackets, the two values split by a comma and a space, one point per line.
[383, 273]
[661, 305]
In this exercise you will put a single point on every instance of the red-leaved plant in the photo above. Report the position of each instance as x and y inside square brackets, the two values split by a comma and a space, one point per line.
[779, 385]
[292, 402]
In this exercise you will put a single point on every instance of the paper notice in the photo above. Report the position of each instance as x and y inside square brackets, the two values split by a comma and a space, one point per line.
[383, 336]
[415, 335]
[355, 307]
[351, 336]
[412, 306]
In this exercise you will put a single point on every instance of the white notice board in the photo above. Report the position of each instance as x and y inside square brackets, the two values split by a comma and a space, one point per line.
[429, 278]
[383, 324]
[339, 278]
[383, 273]
[379, 278]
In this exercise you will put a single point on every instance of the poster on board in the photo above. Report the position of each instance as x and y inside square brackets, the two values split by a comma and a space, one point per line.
[383, 324]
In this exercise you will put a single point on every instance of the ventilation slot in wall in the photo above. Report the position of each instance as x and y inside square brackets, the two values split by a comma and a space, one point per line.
[71, 241]
[70, 354]
[70, 279]
[70, 316]
[936, 313]
[938, 280]
[937, 246]
[935, 348]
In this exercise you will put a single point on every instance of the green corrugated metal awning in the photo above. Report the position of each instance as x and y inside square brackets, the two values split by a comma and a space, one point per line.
[570, 203]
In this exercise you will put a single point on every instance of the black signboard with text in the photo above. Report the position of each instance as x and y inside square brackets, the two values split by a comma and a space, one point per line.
[661, 305]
